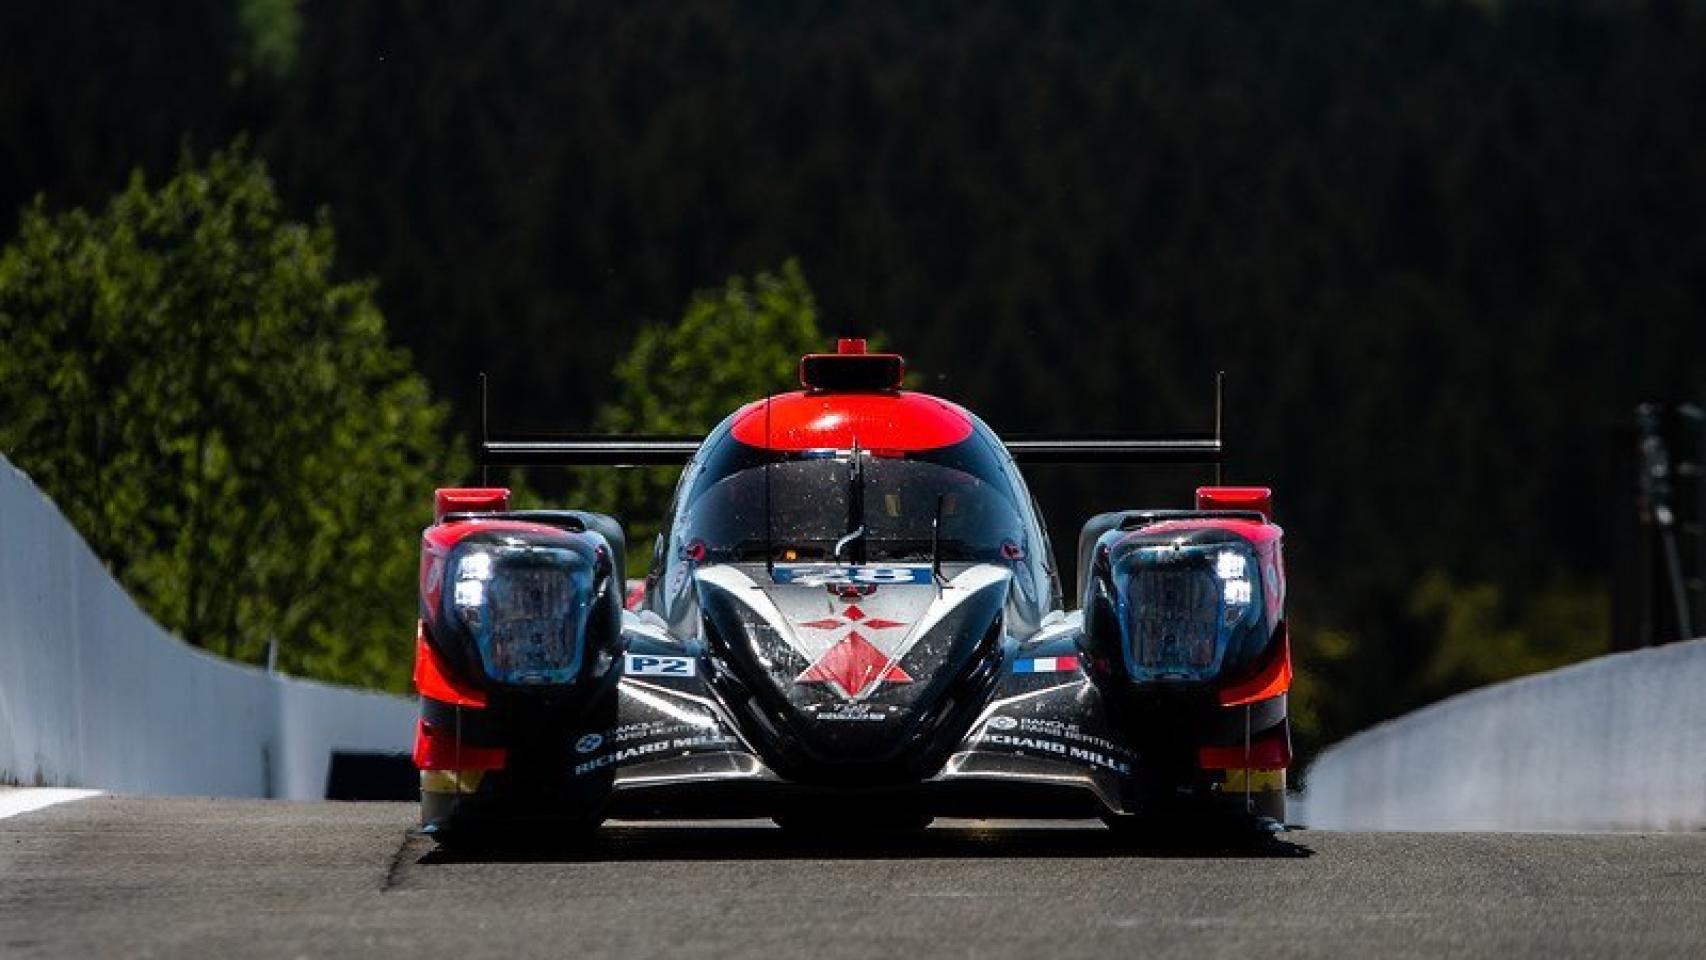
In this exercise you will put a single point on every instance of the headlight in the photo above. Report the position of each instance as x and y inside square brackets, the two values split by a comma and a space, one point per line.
[1232, 568]
[1184, 605]
[525, 606]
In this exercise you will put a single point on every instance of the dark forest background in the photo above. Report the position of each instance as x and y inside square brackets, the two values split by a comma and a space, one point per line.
[1440, 248]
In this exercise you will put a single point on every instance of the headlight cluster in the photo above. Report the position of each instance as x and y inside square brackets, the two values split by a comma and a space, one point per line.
[1184, 606]
[525, 606]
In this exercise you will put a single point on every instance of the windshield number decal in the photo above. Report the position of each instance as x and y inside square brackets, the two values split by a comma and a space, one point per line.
[865, 575]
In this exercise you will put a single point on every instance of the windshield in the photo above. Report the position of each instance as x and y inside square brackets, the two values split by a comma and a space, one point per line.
[816, 503]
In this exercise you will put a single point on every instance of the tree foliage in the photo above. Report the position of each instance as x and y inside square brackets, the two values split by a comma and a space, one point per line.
[1480, 641]
[224, 421]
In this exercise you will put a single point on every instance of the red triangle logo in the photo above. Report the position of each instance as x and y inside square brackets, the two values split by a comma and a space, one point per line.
[853, 666]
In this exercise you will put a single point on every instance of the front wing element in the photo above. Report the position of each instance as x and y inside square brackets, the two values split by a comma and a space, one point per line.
[1042, 747]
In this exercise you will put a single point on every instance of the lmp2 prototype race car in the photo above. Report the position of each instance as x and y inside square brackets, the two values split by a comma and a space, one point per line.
[851, 622]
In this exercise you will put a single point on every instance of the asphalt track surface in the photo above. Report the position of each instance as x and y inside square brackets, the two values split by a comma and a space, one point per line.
[152, 877]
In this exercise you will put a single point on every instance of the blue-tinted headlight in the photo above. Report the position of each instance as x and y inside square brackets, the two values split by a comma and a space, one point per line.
[525, 606]
[1184, 607]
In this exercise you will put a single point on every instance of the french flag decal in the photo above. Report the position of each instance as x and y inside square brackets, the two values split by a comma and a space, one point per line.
[1045, 665]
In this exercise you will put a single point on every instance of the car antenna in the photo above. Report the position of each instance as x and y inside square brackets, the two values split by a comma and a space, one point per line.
[485, 481]
[769, 455]
[1219, 407]
[855, 507]
[936, 546]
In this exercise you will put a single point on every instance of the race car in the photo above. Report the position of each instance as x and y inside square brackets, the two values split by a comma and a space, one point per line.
[851, 622]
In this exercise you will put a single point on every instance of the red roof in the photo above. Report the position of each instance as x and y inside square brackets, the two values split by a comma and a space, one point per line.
[813, 420]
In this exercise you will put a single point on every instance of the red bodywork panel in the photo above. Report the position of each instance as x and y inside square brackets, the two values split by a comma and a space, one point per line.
[1259, 534]
[1273, 679]
[469, 500]
[900, 421]
[1271, 751]
[433, 679]
[447, 535]
[437, 749]
[1259, 499]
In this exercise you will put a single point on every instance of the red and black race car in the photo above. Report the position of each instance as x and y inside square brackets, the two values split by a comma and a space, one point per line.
[852, 621]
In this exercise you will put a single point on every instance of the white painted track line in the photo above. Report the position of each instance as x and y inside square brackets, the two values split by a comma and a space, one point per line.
[25, 799]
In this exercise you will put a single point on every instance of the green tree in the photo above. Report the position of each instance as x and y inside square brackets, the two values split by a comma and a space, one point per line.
[270, 31]
[734, 343]
[225, 423]
[1480, 641]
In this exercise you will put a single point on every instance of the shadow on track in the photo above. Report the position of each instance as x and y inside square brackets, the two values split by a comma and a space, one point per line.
[615, 843]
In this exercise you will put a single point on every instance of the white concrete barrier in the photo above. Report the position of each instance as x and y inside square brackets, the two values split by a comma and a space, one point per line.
[1615, 743]
[94, 693]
